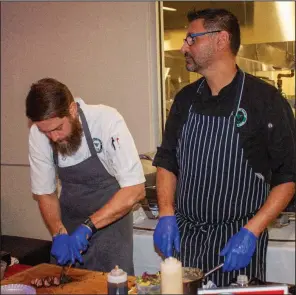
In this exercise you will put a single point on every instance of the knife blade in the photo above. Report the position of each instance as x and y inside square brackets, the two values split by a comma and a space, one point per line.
[64, 278]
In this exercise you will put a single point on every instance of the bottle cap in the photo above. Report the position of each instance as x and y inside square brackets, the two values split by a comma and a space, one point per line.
[117, 276]
[242, 279]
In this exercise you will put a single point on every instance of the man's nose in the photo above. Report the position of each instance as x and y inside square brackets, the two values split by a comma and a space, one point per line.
[184, 47]
[54, 136]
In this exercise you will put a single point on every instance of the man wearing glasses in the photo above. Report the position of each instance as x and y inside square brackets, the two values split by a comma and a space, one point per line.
[229, 138]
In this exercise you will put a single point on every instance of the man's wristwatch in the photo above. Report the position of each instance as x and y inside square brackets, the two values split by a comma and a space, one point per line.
[90, 225]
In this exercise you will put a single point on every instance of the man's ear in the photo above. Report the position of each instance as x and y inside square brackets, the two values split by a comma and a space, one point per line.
[73, 109]
[223, 40]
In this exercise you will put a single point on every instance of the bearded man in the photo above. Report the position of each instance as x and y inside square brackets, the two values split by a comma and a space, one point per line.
[90, 149]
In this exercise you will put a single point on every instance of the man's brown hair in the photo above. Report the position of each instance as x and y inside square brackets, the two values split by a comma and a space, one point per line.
[48, 98]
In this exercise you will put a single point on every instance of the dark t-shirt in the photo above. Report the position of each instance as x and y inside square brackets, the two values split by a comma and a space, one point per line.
[268, 137]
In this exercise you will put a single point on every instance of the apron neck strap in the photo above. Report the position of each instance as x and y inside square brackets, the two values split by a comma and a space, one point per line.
[238, 94]
[198, 91]
[200, 85]
[239, 91]
[86, 131]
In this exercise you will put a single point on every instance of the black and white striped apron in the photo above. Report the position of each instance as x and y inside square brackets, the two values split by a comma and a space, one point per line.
[217, 192]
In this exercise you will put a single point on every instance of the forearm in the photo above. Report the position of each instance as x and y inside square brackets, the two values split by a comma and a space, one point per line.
[50, 210]
[166, 187]
[278, 199]
[120, 204]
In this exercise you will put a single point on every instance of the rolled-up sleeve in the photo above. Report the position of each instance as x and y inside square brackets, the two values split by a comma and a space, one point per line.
[42, 168]
[281, 141]
[166, 153]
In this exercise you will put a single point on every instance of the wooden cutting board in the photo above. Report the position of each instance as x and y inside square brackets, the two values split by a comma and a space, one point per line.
[84, 281]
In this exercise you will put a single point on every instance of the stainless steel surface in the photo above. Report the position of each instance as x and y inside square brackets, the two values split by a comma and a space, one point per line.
[191, 287]
[148, 168]
[151, 194]
[143, 228]
[145, 157]
[265, 57]
[283, 220]
[149, 204]
[148, 211]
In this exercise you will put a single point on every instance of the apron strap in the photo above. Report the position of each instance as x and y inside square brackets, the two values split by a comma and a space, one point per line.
[202, 80]
[239, 91]
[86, 131]
[55, 158]
[200, 85]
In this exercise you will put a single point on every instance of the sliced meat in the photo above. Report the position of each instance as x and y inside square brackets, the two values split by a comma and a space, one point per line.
[56, 281]
[39, 283]
[46, 282]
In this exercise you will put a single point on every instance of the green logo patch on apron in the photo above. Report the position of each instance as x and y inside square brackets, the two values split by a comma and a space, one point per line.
[241, 117]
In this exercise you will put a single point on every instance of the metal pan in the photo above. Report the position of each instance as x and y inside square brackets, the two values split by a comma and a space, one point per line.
[193, 278]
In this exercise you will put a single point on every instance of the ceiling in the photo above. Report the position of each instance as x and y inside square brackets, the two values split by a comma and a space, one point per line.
[257, 53]
[243, 10]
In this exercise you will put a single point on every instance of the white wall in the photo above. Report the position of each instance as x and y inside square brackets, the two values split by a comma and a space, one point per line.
[105, 52]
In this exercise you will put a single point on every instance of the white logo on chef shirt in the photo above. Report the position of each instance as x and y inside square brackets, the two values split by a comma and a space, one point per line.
[98, 144]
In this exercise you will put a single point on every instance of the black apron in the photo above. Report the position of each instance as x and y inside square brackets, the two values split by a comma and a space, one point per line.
[217, 193]
[87, 187]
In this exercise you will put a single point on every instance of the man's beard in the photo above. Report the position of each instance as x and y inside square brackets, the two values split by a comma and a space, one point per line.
[71, 143]
[191, 64]
[201, 62]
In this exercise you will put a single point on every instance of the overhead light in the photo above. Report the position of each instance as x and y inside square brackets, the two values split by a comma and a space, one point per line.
[169, 8]
[286, 15]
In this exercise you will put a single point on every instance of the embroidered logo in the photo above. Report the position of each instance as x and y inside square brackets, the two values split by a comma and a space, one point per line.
[241, 117]
[98, 144]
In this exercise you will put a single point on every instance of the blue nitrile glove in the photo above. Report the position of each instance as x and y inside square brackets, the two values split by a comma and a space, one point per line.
[61, 249]
[239, 250]
[79, 241]
[166, 235]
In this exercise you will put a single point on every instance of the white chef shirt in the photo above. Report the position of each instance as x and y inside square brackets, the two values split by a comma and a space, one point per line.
[120, 159]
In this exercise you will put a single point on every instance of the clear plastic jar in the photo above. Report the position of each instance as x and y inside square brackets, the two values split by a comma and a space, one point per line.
[242, 281]
[117, 282]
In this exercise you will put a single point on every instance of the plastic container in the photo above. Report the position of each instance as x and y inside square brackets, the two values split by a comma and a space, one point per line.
[151, 289]
[3, 268]
[242, 281]
[13, 289]
[154, 210]
[117, 282]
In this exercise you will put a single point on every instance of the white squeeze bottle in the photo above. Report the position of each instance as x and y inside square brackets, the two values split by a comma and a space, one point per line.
[171, 276]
